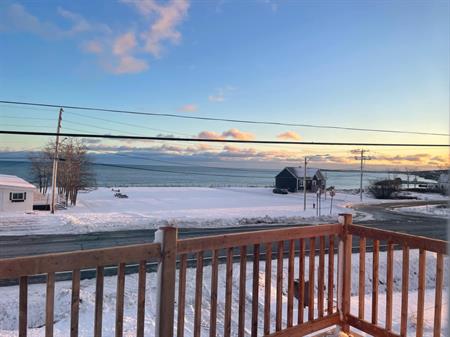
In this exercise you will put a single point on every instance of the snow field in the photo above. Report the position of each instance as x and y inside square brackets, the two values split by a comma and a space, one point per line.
[36, 300]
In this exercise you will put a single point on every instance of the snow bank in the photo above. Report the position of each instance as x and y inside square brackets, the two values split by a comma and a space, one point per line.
[152, 207]
[9, 300]
[441, 211]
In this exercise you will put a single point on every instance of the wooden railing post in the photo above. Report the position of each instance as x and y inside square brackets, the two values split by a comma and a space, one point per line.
[165, 297]
[344, 271]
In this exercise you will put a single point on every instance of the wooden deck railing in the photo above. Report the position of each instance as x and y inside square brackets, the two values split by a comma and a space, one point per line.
[267, 301]
[404, 242]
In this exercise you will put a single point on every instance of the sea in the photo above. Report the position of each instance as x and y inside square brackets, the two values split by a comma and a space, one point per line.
[200, 176]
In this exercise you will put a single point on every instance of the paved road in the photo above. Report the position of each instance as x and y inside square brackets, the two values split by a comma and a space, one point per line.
[385, 218]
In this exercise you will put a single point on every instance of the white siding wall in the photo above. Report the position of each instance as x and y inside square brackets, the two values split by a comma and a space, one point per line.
[7, 206]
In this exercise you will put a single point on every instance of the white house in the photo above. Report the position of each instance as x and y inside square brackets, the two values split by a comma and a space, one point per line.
[16, 194]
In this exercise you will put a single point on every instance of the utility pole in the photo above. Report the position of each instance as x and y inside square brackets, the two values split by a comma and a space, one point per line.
[55, 162]
[362, 158]
[304, 185]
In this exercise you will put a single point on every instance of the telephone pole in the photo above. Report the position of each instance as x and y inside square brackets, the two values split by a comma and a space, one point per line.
[304, 185]
[362, 157]
[55, 162]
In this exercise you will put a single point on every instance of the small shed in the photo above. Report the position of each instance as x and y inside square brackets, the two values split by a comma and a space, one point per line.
[16, 194]
[291, 178]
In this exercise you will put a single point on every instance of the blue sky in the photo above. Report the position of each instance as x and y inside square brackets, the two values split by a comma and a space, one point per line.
[377, 64]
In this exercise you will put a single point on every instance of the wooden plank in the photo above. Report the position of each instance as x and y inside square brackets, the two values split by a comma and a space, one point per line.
[140, 320]
[49, 305]
[330, 295]
[214, 282]
[308, 327]
[321, 277]
[375, 280]
[242, 280]
[389, 284]
[75, 303]
[120, 299]
[267, 288]
[362, 277]
[438, 295]
[82, 259]
[405, 290]
[198, 295]
[312, 252]
[99, 302]
[347, 269]
[251, 238]
[301, 283]
[413, 241]
[279, 298]
[181, 295]
[228, 292]
[369, 328]
[165, 281]
[23, 306]
[290, 297]
[421, 293]
[255, 291]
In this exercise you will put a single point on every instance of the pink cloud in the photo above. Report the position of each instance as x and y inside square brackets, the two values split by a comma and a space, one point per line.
[124, 44]
[93, 47]
[210, 135]
[130, 64]
[237, 134]
[289, 135]
[188, 108]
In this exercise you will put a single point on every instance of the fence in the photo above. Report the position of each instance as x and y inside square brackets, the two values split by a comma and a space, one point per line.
[325, 289]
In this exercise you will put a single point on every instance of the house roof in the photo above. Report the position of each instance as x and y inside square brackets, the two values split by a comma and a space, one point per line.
[298, 172]
[14, 181]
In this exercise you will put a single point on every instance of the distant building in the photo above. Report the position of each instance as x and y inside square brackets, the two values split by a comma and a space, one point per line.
[443, 183]
[291, 178]
[16, 194]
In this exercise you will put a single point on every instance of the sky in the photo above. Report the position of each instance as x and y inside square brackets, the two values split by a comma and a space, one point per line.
[363, 64]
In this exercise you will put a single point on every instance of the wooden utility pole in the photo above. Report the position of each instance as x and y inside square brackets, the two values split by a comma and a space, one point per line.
[362, 158]
[55, 162]
[304, 185]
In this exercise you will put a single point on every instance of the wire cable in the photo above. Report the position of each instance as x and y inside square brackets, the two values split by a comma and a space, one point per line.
[205, 140]
[242, 121]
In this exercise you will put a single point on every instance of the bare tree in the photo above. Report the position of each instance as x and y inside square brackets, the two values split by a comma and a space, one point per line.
[41, 170]
[74, 169]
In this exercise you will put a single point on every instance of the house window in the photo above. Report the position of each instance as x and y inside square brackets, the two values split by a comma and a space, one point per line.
[17, 197]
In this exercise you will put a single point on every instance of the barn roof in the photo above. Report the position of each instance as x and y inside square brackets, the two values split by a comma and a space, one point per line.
[14, 181]
[298, 172]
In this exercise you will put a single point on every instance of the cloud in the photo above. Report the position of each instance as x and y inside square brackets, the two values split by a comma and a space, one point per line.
[188, 108]
[164, 27]
[209, 135]
[16, 18]
[118, 53]
[130, 64]
[289, 135]
[220, 94]
[237, 134]
[93, 47]
[124, 44]
[232, 133]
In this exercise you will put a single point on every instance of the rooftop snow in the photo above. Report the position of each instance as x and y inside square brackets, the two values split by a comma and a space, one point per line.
[14, 181]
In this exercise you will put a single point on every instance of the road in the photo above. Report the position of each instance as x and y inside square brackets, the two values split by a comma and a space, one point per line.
[384, 218]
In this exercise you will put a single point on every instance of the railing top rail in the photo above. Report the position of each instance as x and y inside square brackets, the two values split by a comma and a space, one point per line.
[412, 241]
[259, 237]
[80, 259]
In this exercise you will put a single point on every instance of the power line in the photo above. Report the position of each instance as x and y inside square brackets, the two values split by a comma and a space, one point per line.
[205, 140]
[242, 121]
[180, 172]
[125, 123]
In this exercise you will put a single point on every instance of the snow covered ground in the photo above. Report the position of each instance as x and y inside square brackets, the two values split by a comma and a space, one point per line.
[441, 211]
[36, 301]
[151, 207]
